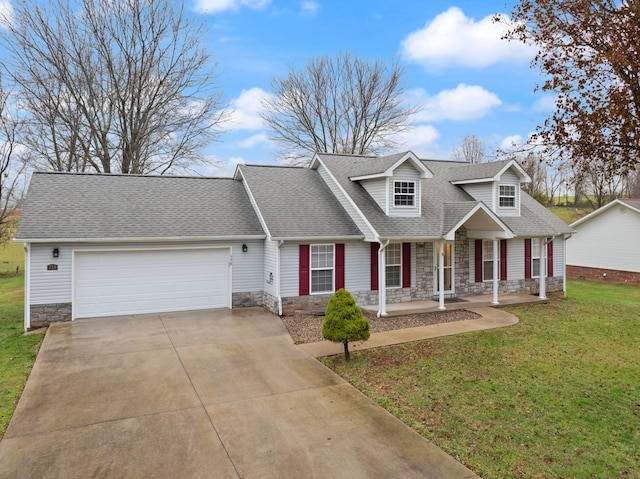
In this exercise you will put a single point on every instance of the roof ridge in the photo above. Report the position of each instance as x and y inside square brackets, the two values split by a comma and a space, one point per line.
[128, 175]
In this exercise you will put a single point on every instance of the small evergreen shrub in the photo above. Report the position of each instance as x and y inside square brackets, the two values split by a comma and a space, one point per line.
[344, 321]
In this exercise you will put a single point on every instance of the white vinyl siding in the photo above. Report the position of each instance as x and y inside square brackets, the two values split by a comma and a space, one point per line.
[377, 189]
[270, 267]
[55, 286]
[357, 259]
[481, 192]
[346, 204]
[405, 173]
[289, 269]
[608, 240]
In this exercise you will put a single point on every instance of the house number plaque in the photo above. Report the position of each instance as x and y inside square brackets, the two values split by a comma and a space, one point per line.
[52, 267]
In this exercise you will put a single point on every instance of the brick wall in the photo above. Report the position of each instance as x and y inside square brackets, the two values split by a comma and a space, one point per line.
[603, 275]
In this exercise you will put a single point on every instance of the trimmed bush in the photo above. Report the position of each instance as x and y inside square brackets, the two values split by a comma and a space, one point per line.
[344, 321]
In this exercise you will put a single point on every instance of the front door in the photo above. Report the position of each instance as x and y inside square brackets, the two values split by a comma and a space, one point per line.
[448, 268]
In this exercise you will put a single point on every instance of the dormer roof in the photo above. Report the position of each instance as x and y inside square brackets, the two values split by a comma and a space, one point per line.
[486, 172]
[384, 166]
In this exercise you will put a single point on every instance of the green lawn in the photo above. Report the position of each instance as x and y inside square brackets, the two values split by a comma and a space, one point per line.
[569, 214]
[557, 395]
[11, 255]
[17, 351]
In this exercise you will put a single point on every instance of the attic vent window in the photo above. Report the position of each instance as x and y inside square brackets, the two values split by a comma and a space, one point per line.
[404, 193]
[507, 196]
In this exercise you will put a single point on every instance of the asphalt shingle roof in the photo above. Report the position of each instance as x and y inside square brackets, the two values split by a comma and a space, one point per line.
[296, 203]
[91, 206]
[535, 220]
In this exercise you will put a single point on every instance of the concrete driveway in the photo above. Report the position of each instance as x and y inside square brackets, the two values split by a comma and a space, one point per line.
[211, 394]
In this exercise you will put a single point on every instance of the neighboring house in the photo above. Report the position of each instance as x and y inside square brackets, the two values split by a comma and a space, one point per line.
[605, 245]
[388, 229]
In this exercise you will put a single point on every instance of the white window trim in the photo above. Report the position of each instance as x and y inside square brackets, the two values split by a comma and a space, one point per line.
[387, 264]
[535, 254]
[413, 195]
[514, 196]
[311, 269]
[490, 242]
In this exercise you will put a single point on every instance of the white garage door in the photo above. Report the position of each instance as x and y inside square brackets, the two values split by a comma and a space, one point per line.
[111, 283]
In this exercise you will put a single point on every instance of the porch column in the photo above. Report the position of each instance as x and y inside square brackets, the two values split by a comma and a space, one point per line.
[441, 277]
[382, 280]
[542, 292]
[496, 270]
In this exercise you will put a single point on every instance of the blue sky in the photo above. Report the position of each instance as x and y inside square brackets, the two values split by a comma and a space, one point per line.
[466, 79]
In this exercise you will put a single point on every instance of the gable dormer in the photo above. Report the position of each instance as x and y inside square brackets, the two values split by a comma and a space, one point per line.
[395, 184]
[496, 184]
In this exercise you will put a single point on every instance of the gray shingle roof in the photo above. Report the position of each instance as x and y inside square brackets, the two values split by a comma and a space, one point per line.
[89, 207]
[535, 220]
[296, 203]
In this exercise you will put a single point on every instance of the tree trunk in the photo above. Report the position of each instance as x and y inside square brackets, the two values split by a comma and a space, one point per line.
[347, 357]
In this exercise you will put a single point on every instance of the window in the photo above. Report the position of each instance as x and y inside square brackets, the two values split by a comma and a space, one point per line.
[507, 196]
[393, 263]
[404, 193]
[321, 268]
[487, 260]
[535, 257]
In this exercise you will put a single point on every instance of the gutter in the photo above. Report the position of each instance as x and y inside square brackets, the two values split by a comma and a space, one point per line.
[138, 239]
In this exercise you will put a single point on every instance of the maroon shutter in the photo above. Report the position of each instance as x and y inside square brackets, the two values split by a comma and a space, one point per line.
[406, 265]
[550, 258]
[503, 260]
[374, 266]
[339, 266]
[304, 270]
[478, 261]
[527, 258]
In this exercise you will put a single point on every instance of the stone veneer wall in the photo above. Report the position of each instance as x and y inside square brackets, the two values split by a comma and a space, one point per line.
[247, 299]
[45, 314]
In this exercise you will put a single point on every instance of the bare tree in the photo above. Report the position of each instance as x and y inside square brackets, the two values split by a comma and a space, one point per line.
[471, 149]
[12, 165]
[113, 86]
[337, 105]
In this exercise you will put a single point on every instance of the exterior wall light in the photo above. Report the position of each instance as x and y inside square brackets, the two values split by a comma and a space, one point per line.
[56, 252]
[244, 248]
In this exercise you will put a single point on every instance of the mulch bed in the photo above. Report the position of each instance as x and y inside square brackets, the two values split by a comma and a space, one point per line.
[306, 328]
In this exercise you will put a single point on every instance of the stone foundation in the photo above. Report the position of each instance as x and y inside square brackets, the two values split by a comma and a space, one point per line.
[45, 314]
[247, 299]
[603, 275]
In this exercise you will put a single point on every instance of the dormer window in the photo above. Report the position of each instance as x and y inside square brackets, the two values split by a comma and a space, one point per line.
[404, 193]
[507, 196]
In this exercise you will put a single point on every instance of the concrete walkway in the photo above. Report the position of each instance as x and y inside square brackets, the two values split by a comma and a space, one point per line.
[209, 394]
[490, 318]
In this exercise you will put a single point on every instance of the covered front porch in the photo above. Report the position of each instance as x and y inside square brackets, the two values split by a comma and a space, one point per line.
[430, 306]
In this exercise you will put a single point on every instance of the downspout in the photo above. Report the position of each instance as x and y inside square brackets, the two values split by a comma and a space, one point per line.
[382, 281]
[278, 296]
[27, 286]
[542, 290]
[441, 277]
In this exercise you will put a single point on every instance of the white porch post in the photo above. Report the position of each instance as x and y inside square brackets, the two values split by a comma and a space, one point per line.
[441, 277]
[496, 271]
[382, 280]
[542, 293]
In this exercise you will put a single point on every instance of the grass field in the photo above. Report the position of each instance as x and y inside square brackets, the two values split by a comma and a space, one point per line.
[17, 351]
[557, 395]
[11, 255]
[570, 214]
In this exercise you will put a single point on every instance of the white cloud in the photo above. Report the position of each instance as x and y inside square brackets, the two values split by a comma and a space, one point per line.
[420, 139]
[452, 39]
[217, 6]
[545, 104]
[255, 140]
[245, 110]
[511, 142]
[6, 13]
[309, 7]
[221, 166]
[463, 103]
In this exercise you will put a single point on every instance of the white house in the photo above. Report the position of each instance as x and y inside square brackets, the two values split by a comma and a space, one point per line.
[606, 243]
[388, 229]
